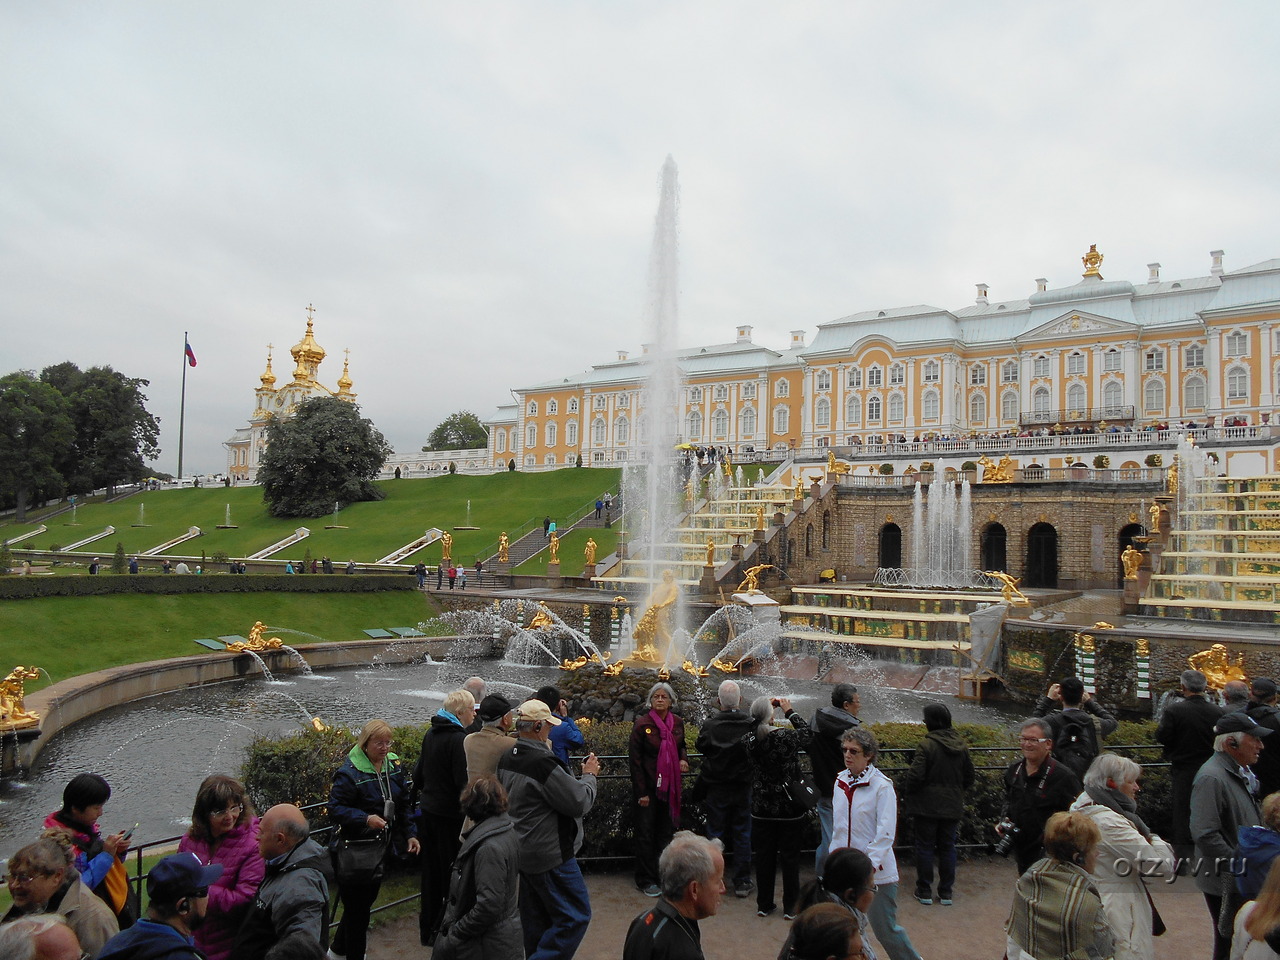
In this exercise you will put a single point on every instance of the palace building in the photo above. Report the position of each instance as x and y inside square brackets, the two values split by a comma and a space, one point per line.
[246, 446]
[1096, 355]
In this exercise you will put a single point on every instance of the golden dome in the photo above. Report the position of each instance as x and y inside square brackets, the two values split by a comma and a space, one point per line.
[268, 378]
[307, 353]
[344, 381]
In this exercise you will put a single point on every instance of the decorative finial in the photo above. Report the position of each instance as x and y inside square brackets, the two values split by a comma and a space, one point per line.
[1092, 261]
[310, 313]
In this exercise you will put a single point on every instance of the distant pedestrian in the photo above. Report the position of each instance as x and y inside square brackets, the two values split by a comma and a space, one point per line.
[462, 578]
[94, 566]
[599, 508]
[351, 567]
[133, 565]
[439, 576]
[167, 567]
[453, 576]
[420, 571]
[479, 570]
[288, 568]
[326, 565]
[546, 528]
[315, 565]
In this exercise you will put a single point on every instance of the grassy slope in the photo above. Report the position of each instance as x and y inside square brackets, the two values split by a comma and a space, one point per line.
[501, 501]
[571, 559]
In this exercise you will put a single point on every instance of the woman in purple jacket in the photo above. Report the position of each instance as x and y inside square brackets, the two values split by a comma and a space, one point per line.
[224, 830]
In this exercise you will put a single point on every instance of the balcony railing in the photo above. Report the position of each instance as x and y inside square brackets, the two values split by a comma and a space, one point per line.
[1077, 415]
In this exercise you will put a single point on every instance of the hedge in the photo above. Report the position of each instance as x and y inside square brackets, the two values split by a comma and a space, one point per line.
[299, 769]
[22, 588]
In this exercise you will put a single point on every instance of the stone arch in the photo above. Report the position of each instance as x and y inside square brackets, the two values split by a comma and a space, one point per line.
[890, 553]
[994, 542]
[1042, 557]
[1123, 540]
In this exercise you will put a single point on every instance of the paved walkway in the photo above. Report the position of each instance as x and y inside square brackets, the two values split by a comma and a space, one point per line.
[970, 930]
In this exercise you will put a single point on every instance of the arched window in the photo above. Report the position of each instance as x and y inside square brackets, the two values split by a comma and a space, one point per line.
[720, 423]
[929, 405]
[747, 391]
[875, 377]
[854, 378]
[532, 408]
[598, 430]
[978, 408]
[695, 394]
[1040, 400]
[824, 379]
[822, 413]
[747, 422]
[1153, 396]
[550, 432]
[897, 408]
[552, 408]
[826, 530]
[530, 461]
[642, 427]
[549, 459]
[1077, 398]
[782, 388]
[721, 393]
[808, 540]
[571, 433]
[693, 425]
[621, 430]
[1194, 356]
[873, 409]
[853, 410]
[932, 371]
[1237, 344]
[573, 404]
[1009, 405]
[897, 375]
[1075, 363]
[977, 374]
[1193, 393]
[1237, 383]
[1154, 359]
[1112, 397]
[531, 435]
[1009, 371]
[781, 420]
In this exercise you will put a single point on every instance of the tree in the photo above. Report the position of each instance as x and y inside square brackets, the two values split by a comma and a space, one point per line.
[458, 431]
[36, 434]
[326, 453]
[115, 434]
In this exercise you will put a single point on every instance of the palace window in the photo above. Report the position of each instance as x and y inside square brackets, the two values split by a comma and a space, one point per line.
[1153, 396]
[532, 408]
[720, 424]
[781, 419]
[748, 391]
[1077, 398]
[601, 402]
[550, 432]
[873, 409]
[571, 433]
[896, 408]
[1009, 371]
[875, 377]
[929, 405]
[500, 441]
[932, 371]
[552, 408]
[897, 375]
[822, 413]
[1075, 363]
[1237, 383]
[721, 393]
[747, 422]
[598, 430]
[854, 378]
[853, 410]
[1009, 405]
[1237, 344]
[977, 375]
[1194, 356]
[1112, 397]
[1040, 400]
[978, 409]
[1154, 360]
[824, 380]
[624, 400]
[531, 435]
[550, 460]
[1112, 360]
[693, 425]
[782, 388]
[1040, 367]
[1194, 393]
[573, 404]
[621, 430]
[531, 461]
[695, 394]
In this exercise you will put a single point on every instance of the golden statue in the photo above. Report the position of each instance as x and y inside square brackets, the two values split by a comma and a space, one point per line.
[1009, 592]
[13, 711]
[711, 553]
[589, 551]
[1092, 261]
[256, 642]
[691, 489]
[831, 461]
[554, 548]
[724, 666]
[653, 630]
[693, 669]
[799, 488]
[1171, 477]
[1132, 560]
[993, 472]
[1217, 667]
[728, 466]
[446, 547]
[1005, 469]
[759, 518]
[504, 548]
[610, 670]
[751, 578]
[318, 725]
[1154, 512]
[542, 620]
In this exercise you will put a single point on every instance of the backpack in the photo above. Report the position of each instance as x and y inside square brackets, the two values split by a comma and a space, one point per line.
[1076, 743]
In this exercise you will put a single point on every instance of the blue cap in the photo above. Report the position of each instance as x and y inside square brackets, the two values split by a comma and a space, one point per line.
[180, 875]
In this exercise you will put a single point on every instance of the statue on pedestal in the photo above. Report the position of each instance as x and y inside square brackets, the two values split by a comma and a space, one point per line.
[504, 548]
[1132, 560]
[446, 547]
[653, 630]
[13, 712]
[554, 548]
[1217, 667]
[711, 553]
[589, 551]
[1154, 512]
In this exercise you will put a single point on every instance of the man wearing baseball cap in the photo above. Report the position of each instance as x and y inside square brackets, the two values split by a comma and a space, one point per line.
[487, 745]
[547, 804]
[1224, 798]
[178, 888]
[1263, 711]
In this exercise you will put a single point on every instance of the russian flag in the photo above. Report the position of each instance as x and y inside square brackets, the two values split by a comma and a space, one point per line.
[191, 356]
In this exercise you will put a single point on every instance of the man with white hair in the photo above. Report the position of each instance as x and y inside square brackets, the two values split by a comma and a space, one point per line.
[692, 873]
[724, 781]
[476, 687]
[43, 936]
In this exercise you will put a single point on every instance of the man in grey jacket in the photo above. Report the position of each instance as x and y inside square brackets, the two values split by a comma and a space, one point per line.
[1224, 799]
[294, 894]
[547, 805]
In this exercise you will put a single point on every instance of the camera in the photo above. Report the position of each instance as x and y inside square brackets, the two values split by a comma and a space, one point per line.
[776, 702]
[1005, 843]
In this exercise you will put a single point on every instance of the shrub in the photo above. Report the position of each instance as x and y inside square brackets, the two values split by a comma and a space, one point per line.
[926, 466]
[1154, 460]
[968, 467]
[6, 558]
[886, 468]
[20, 588]
[118, 562]
[1101, 461]
[219, 556]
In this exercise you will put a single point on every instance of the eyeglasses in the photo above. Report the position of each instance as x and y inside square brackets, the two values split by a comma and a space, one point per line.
[851, 750]
[235, 811]
[22, 879]
[1034, 739]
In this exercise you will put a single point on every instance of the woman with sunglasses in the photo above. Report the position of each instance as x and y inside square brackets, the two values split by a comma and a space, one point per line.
[848, 882]
[224, 830]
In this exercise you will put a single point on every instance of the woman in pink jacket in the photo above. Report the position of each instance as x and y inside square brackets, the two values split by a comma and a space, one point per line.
[224, 830]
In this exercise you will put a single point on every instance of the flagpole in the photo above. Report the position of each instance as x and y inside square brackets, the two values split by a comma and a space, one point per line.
[182, 406]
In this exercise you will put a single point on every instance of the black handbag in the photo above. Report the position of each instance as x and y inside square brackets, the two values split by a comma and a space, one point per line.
[360, 861]
[801, 792]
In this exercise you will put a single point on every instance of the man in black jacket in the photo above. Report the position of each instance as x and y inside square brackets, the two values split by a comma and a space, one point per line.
[724, 781]
[294, 895]
[829, 724]
[1186, 732]
[1262, 710]
[1071, 709]
[1036, 787]
[692, 872]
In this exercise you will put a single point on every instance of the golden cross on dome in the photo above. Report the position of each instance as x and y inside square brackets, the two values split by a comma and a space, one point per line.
[347, 355]
[270, 348]
[310, 311]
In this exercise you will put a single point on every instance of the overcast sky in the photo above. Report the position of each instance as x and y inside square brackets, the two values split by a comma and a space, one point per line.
[466, 191]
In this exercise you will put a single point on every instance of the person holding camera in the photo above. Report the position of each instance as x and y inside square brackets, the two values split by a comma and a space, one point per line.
[777, 816]
[1036, 787]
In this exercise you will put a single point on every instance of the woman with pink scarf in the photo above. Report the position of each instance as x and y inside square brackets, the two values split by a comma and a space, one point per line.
[659, 760]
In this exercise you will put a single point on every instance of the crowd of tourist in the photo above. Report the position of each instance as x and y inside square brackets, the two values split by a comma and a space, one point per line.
[495, 815]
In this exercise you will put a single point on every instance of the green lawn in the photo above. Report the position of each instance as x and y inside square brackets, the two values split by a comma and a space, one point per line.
[571, 559]
[500, 501]
[68, 636]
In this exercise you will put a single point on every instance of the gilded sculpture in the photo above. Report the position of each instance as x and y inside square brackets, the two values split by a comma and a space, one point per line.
[1009, 591]
[759, 518]
[13, 711]
[1092, 261]
[1215, 663]
[751, 578]
[1132, 560]
[542, 620]
[711, 553]
[1171, 478]
[993, 472]
[831, 461]
[1154, 513]
[554, 547]
[504, 548]
[589, 551]
[653, 630]
[446, 547]
[256, 642]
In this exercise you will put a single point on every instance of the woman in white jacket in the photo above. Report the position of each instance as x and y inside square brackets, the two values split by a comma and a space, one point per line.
[1129, 851]
[865, 817]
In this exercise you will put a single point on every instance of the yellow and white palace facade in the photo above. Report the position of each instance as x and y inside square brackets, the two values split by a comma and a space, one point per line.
[1098, 354]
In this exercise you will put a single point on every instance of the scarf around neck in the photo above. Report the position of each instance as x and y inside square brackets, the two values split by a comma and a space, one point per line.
[668, 766]
[1120, 803]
